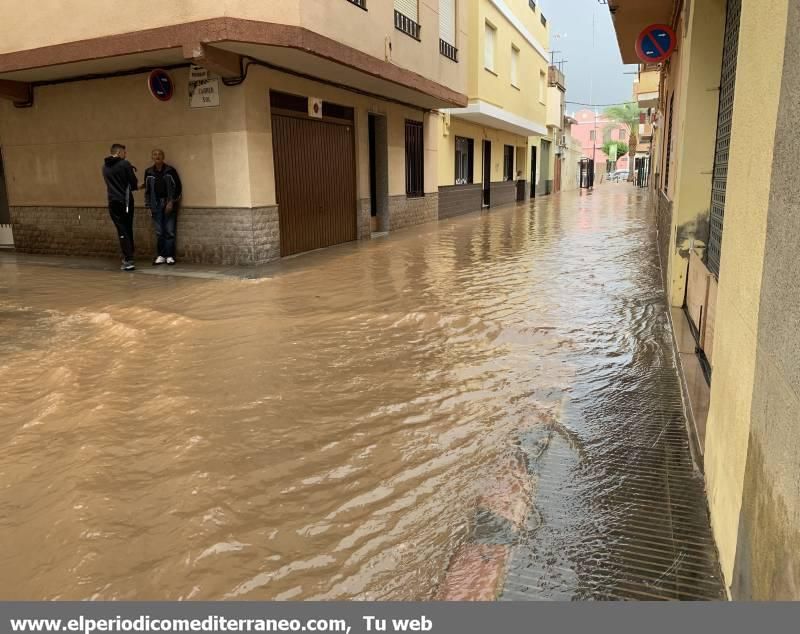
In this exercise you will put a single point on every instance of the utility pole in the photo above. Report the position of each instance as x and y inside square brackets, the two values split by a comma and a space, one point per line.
[591, 100]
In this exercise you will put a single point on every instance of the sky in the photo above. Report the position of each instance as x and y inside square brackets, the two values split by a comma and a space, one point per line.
[596, 75]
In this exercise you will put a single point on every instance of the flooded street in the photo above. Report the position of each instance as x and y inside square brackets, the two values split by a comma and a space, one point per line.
[357, 422]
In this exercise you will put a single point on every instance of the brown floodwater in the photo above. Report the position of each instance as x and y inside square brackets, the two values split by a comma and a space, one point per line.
[334, 428]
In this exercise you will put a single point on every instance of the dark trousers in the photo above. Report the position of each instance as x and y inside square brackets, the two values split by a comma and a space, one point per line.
[165, 225]
[123, 221]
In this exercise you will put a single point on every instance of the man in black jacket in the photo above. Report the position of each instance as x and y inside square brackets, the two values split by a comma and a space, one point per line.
[163, 191]
[121, 182]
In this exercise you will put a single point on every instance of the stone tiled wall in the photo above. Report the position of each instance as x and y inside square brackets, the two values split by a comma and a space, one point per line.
[406, 212]
[459, 199]
[503, 193]
[364, 231]
[208, 236]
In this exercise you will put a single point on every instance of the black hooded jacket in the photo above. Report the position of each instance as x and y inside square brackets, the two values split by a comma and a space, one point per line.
[121, 181]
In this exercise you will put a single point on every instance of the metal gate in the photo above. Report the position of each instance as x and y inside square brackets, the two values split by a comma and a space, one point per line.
[586, 171]
[315, 182]
[730, 53]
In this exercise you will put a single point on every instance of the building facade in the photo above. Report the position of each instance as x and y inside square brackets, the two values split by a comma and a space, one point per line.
[496, 150]
[725, 187]
[592, 131]
[294, 125]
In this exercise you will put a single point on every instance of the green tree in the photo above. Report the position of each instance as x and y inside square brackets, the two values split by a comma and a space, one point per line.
[626, 115]
[622, 150]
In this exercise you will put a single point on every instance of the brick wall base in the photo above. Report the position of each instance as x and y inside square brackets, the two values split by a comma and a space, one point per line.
[459, 199]
[407, 212]
[503, 193]
[207, 236]
[364, 219]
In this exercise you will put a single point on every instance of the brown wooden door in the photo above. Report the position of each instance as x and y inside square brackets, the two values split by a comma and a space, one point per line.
[315, 182]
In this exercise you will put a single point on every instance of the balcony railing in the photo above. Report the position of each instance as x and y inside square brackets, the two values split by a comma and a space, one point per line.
[359, 3]
[406, 25]
[448, 50]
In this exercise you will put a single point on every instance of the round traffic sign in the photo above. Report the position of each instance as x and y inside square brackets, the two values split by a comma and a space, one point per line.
[656, 43]
[160, 84]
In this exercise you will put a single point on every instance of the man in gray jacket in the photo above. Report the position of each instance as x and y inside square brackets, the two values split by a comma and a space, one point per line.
[162, 194]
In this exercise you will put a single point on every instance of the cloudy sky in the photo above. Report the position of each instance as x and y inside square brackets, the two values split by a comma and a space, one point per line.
[571, 33]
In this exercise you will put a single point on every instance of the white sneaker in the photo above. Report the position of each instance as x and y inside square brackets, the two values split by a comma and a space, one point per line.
[170, 260]
[158, 260]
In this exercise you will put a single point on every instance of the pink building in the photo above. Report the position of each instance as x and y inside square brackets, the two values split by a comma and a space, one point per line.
[591, 133]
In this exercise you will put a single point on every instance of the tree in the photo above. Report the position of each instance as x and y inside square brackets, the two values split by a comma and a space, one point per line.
[622, 150]
[626, 115]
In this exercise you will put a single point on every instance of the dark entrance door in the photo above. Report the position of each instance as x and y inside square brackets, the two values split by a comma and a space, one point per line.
[5, 216]
[373, 171]
[533, 172]
[487, 173]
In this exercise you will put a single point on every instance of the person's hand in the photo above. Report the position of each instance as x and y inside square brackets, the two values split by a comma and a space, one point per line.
[169, 207]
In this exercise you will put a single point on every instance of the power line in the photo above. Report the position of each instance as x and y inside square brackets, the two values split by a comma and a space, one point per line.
[598, 105]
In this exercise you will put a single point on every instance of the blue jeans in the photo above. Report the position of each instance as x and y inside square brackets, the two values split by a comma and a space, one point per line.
[165, 225]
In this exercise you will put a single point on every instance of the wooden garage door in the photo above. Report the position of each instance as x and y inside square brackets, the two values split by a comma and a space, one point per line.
[315, 182]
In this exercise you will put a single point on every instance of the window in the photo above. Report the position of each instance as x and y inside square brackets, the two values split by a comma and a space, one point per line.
[415, 170]
[406, 17]
[465, 156]
[489, 45]
[532, 5]
[591, 135]
[514, 66]
[447, 24]
[360, 3]
[622, 135]
[508, 162]
[544, 20]
[542, 86]
[668, 153]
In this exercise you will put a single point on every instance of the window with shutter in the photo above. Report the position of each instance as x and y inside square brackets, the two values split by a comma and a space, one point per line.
[447, 21]
[489, 43]
[408, 8]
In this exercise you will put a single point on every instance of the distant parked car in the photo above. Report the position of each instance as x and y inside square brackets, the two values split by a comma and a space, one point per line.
[619, 176]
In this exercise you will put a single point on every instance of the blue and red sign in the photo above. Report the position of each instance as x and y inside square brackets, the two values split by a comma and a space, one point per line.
[160, 84]
[656, 43]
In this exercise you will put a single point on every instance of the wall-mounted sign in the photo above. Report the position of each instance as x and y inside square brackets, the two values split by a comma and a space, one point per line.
[656, 43]
[160, 84]
[203, 89]
[315, 107]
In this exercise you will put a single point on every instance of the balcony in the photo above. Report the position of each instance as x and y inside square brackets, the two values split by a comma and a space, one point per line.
[361, 4]
[407, 25]
[555, 78]
[448, 50]
[544, 19]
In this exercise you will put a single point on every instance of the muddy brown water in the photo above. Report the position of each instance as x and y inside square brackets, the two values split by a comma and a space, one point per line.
[328, 431]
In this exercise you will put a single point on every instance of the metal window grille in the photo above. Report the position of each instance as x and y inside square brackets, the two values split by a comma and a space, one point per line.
[465, 157]
[359, 3]
[415, 168]
[730, 54]
[406, 25]
[668, 154]
[508, 162]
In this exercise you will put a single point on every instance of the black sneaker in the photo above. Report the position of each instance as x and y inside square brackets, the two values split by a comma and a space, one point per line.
[128, 265]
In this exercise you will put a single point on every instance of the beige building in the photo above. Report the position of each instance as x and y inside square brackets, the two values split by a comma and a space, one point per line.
[496, 149]
[294, 125]
[725, 188]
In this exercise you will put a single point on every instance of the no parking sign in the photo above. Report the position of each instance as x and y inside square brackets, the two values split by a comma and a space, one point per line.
[656, 43]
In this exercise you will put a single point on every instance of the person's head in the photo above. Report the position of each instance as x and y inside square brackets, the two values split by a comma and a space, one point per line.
[158, 158]
[119, 150]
